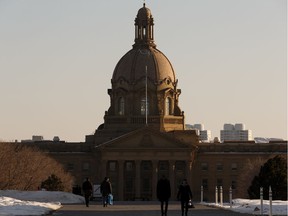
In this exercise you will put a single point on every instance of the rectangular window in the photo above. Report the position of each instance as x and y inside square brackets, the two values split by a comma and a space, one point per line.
[129, 184]
[70, 167]
[163, 165]
[233, 184]
[144, 104]
[234, 166]
[129, 166]
[205, 184]
[112, 166]
[146, 165]
[146, 185]
[219, 182]
[85, 166]
[204, 166]
[219, 167]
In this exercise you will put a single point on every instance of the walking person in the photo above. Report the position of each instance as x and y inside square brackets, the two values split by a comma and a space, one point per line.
[106, 190]
[87, 189]
[163, 193]
[184, 195]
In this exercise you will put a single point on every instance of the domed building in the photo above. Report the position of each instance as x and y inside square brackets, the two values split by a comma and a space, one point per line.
[144, 86]
[143, 132]
[143, 135]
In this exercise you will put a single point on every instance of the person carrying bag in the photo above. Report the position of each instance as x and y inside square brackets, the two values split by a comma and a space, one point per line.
[184, 195]
[106, 190]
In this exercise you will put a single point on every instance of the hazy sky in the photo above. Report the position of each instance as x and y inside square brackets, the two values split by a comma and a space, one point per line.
[57, 59]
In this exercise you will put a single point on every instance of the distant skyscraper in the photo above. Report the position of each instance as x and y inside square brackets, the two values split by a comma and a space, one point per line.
[204, 135]
[235, 132]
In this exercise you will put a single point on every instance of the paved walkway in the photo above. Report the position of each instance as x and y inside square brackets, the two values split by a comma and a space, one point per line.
[139, 209]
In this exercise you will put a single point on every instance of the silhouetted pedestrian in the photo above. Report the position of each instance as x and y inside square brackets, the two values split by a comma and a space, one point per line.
[106, 190]
[87, 189]
[163, 193]
[184, 195]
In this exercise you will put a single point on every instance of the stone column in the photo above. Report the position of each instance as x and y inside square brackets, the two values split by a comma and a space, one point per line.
[189, 172]
[121, 179]
[137, 179]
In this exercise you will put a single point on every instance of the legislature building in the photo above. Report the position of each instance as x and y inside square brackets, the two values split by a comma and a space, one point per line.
[143, 135]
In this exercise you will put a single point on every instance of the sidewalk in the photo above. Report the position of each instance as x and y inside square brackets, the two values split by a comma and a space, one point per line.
[139, 209]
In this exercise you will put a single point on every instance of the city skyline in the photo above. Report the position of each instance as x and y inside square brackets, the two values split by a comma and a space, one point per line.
[57, 60]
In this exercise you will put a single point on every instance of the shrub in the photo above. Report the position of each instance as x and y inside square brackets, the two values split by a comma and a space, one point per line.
[273, 173]
[53, 183]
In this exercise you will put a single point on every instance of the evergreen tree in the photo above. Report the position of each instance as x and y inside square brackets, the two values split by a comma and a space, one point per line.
[53, 183]
[273, 173]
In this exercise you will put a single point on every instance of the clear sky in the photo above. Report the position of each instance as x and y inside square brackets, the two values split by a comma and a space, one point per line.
[57, 59]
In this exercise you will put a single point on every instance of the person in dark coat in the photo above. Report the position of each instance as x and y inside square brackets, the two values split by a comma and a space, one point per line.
[163, 193]
[87, 189]
[105, 189]
[184, 195]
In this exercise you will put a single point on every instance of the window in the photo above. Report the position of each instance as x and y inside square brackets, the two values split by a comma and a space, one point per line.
[85, 166]
[146, 165]
[163, 165]
[219, 167]
[121, 106]
[219, 182]
[129, 166]
[163, 168]
[146, 184]
[144, 32]
[129, 184]
[112, 166]
[146, 174]
[168, 106]
[180, 174]
[233, 184]
[180, 165]
[204, 166]
[143, 106]
[70, 167]
[234, 166]
[205, 184]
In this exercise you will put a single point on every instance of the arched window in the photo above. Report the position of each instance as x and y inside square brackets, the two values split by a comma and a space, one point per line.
[143, 106]
[121, 106]
[168, 106]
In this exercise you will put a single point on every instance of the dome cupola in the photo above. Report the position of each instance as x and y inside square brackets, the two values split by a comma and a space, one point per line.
[144, 28]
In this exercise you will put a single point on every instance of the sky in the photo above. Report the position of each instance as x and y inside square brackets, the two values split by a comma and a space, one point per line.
[42, 202]
[57, 59]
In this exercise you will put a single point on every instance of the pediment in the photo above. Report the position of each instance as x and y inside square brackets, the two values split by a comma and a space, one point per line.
[145, 138]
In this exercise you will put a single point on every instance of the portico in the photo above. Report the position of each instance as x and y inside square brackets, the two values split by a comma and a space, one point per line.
[134, 166]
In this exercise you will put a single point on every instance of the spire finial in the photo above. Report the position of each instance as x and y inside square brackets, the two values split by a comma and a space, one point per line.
[144, 3]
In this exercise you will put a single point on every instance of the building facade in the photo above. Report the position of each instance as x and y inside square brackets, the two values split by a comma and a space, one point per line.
[143, 135]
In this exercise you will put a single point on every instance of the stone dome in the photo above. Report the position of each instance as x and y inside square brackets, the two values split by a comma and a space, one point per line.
[132, 67]
[143, 13]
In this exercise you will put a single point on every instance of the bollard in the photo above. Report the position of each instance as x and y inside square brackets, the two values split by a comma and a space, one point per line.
[221, 196]
[230, 196]
[270, 201]
[261, 200]
[201, 193]
[216, 195]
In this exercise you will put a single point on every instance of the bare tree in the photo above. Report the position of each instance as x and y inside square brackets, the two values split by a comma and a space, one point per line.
[24, 168]
[248, 172]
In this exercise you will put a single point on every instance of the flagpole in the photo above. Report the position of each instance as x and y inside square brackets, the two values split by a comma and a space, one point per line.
[146, 108]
